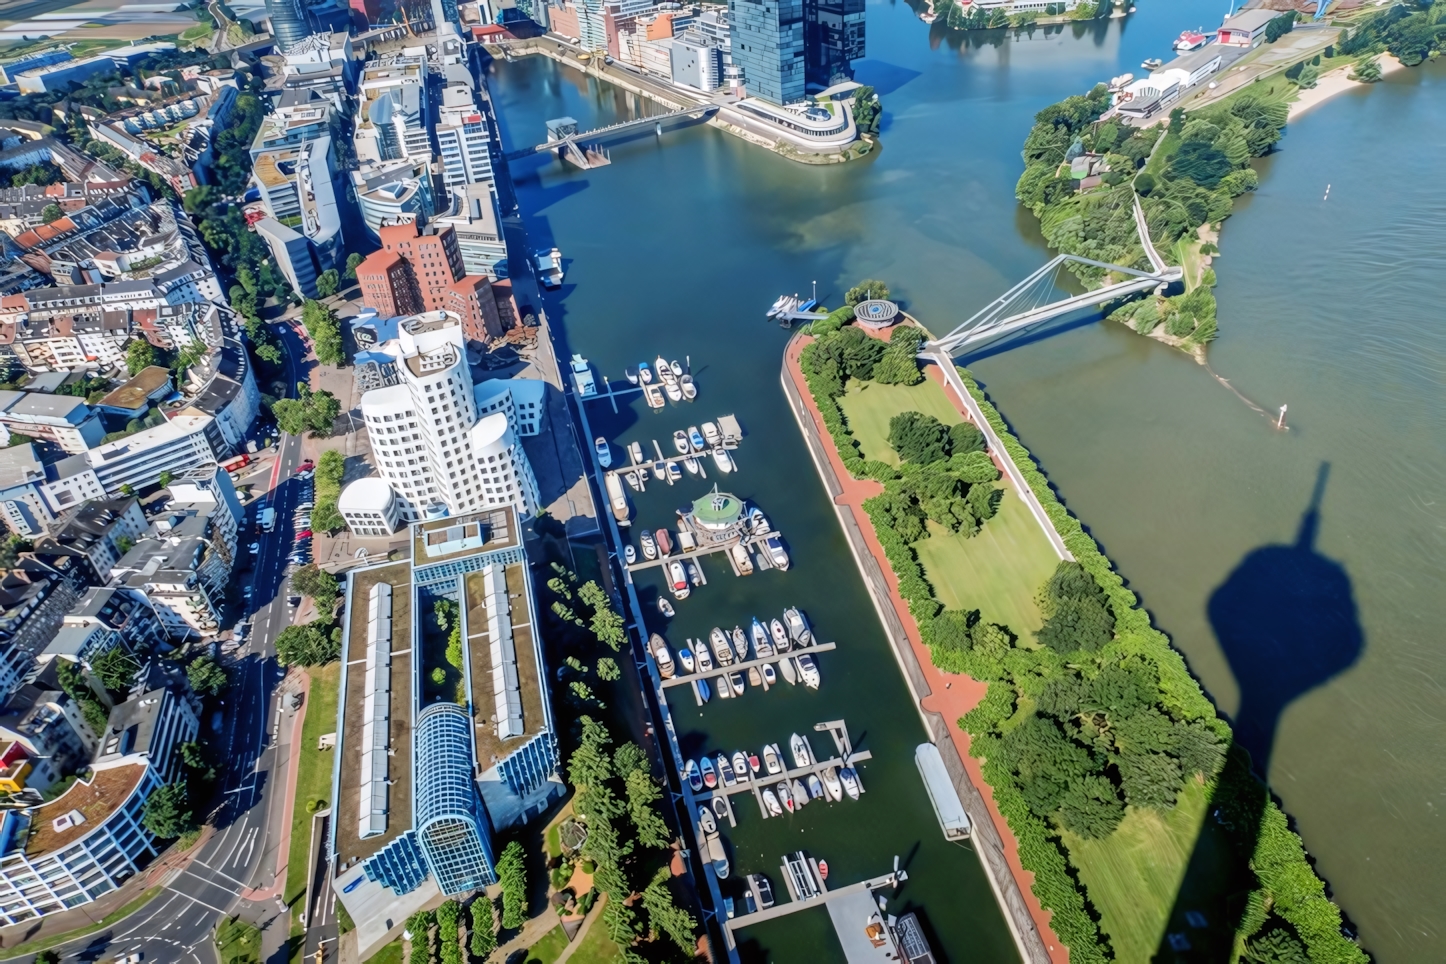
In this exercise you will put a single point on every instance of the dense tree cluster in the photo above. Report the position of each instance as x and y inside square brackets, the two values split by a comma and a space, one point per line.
[899, 364]
[314, 410]
[1410, 31]
[308, 645]
[867, 110]
[325, 330]
[167, 811]
[206, 676]
[311, 580]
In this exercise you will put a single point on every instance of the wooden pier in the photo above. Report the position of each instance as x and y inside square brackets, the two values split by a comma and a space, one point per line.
[765, 781]
[726, 547]
[743, 667]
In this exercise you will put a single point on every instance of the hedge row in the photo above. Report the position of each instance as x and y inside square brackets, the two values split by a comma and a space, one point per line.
[1289, 885]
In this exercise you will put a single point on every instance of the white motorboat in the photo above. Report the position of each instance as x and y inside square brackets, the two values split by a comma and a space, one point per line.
[758, 522]
[694, 576]
[769, 676]
[665, 607]
[780, 305]
[798, 626]
[711, 436]
[549, 268]
[691, 464]
[741, 559]
[808, 671]
[735, 680]
[660, 470]
[632, 373]
[701, 654]
[706, 821]
[771, 759]
[635, 450]
[686, 386]
[815, 787]
[645, 374]
[720, 806]
[700, 686]
[721, 459]
[720, 682]
[831, 784]
[678, 583]
[653, 394]
[675, 474]
[776, 553]
[663, 369]
[740, 643]
[685, 657]
[718, 855]
[800, 793]
[695, 439]
[775, 809]
[785, 796]
[762, 648]
[680, 441]
[725, 770]
[630, 555]
[850, 781]
[604, 451]
[633, 481]
[673, 390]
[710, 775]
[789, 671]
[692, 774]
[740, 767]
[677, 369]
[780, 636]
[798, 746]
[659, 648]
[721, 649]
[650, 548]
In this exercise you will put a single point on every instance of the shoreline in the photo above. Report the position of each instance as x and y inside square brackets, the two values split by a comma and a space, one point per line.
[1337, 82]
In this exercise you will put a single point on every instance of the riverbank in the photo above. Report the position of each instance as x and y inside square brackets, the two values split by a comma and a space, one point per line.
[1337, 82]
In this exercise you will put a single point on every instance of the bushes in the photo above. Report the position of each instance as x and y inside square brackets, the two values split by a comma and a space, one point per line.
[481, 932]
[512, 875]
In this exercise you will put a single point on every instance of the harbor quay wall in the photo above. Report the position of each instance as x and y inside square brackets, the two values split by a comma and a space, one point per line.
[938, 698]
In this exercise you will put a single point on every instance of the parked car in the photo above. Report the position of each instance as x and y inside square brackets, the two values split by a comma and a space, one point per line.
[255, 547]
[304, 534]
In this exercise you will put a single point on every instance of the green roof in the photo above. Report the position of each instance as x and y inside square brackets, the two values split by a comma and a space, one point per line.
[717, 509]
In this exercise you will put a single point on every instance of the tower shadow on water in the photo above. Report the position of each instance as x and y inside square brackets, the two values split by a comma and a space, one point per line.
[1286, 619]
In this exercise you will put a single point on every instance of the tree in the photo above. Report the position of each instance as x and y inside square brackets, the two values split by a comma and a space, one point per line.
[166, 478]
[116, 669]
[867, 110]
[11, 548]
[1076, 611]
[167, 811]
[900, 364]
[127, 489]
[139, 354]
[918, 438]
[607, 669]
[311, 580]
[667, 916]
[352, 261]
[327, 282]
[643, 796]
[326, 516]
[308, 645]
[1367, 71]
[194, 755]
[322, 412]
[51, 213]
[206, 677]
[482, 931]
[1276, 945]
[870, 289]
[1279, 27]
[512, 875]
[325, 331]
[330, 467]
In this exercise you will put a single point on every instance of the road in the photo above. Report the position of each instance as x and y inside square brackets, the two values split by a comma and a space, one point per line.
[242, 854]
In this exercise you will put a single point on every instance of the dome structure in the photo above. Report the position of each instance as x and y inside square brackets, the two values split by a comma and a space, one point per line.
[876, 313]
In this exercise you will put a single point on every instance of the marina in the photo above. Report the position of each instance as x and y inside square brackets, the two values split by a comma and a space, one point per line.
[716, 522]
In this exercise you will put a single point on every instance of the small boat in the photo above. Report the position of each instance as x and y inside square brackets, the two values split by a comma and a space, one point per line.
[785, 796]
[663, 369]
[693, 776]
[582, 376]
[850, 781]
[718, 855]
[1190, 40]
[823, 870]
[660, 470]
[665, 607]
[664, 541]
[604, 451]
[740, 767]
[711, 437]
[740, 644]
[776, 554]
[800, 794]
[650, 548]
[686, 386]
[720, 806]
[758, 522]
[630, 555]
[654, 396]
[769, 676]
[691, 464]
[741, 559]
[780, 305]
[618, 500]
[1152, 63]
[771, 759]
[705, 659]
[721, 649]
[677, 369]
[798, 746]
[632, 373]
[685, 657]
[710, 775]
[725, 771]
[694, 576]
[659, 648]
[633, 481]
[706, 821]
[815, 787]
[645, 374]
[808, 671]
[680, 441]
[798, 626]
[755, 766]
[789, 671]
[700, 686]
[673, 390]
[721, 459]
[764, 888]
[762, 648]
[831, 784]
[695, 439]
[724, 691]
[635, 450]
[771, 802]
[678, 583]
[735, 680]
[780, 636]
[675, 474]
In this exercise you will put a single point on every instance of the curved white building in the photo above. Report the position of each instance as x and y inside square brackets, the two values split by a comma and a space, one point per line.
[370, 507]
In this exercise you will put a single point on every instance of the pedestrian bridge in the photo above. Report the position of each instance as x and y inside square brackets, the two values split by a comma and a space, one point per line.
[567, 142]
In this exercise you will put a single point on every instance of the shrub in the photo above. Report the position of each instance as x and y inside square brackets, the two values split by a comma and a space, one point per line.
[918, 438]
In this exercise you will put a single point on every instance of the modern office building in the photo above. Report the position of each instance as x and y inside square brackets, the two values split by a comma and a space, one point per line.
[298, 187]
[63, 419]
[288, 25]
[463, 140]
[391, 191]
[768, 44]
[370, 508]
[429, 442]
[179, 444]
[833, 40]
[393, 112]
[294, 255]
[422, 782]
[474, 218]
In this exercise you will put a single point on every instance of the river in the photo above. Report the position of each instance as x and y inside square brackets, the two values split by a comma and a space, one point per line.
[1328, 305]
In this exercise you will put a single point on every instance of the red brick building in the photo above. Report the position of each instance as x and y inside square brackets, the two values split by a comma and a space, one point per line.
[420, 269]
[387, 285]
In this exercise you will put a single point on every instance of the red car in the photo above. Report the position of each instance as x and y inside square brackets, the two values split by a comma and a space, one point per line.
[306, 466]
[306, 534]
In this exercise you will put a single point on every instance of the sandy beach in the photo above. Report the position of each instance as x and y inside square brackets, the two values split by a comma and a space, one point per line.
[1336, 82]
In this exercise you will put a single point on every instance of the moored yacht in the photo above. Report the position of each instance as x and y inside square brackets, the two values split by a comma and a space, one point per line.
[785, 796]
[832, 785]
[701, 654]
[772, 761]
[721, 459]
[665, 607]
[695, 438]
[664, 541]
[740, 767]
[659, 648]
[808, 671]
[770, 801]
[680, 441]
[798, 746]
[789, 670]
[693, 775]
[677, 582]
[780, 636]
[685, 657]
[798, 626]
[645, 374]
[761, 647]
[650, 548]
[710, 775]
[604, 451]
[630, 555]
[740, 644]
[711, 435]
[850, 781]
[776, 553]
[725, 770]
[735, 680]
[721, 649]
[769, 676]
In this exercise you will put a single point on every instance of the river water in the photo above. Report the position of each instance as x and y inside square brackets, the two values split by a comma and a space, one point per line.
[1329, 305]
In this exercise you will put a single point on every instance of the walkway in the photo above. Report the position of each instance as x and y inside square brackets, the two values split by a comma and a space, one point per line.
[302, 680]
[1146, 242]
[942, 699]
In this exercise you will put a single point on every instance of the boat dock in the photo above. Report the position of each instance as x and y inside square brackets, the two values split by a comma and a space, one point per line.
[690, 555]
[743, 667]
[756, 785]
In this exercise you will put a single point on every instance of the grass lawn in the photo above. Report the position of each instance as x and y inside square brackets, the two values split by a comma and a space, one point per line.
[869, 409]
[1134, 876]
[547, 950]
[996, 572]
[596, 947]
[313, 778]
[238, 942]
[391, 954]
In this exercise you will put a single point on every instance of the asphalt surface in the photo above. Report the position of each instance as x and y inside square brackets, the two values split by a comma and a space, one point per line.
[242, 855]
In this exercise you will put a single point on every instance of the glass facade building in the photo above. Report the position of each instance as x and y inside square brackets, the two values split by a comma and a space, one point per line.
[452, 828]
[768, 43]
[833, 39]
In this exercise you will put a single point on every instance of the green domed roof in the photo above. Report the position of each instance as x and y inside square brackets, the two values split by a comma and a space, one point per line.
[717, 510]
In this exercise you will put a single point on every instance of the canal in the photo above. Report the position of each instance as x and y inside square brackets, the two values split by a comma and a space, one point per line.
[1330, 307]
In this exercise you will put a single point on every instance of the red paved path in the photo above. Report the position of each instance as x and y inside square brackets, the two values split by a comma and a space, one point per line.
[951, 694]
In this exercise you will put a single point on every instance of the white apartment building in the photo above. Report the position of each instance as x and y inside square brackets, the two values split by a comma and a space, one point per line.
[178, 445]
[63, 419]
[184, 575]
[370, 508]
[427, 438]
[463, 140]
[522, 400]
